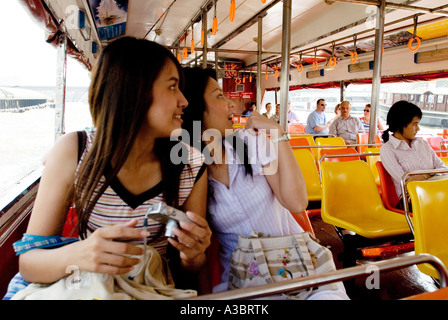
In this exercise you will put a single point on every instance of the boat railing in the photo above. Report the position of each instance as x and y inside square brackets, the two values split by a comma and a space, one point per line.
[331, 277]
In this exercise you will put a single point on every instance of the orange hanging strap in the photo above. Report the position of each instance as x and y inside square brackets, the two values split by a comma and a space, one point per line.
[192, 40]
[315, 64]
[215, 26]
[215, 23]
[332, 60]
[417, 39]
[232, 10]
[411, 41]
[354, 54]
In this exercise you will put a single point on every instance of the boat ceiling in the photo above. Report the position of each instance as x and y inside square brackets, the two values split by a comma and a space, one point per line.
[319, 29]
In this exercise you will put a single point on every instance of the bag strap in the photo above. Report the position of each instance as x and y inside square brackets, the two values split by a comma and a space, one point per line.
[305, 252]
[261, 260]
[82, 140]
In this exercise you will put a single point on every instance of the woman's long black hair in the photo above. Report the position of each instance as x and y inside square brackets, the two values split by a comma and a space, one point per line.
[400, 115]
[120, 94]
[196, 80]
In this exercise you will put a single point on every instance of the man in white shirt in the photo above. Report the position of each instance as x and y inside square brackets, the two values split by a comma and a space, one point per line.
[346, 126]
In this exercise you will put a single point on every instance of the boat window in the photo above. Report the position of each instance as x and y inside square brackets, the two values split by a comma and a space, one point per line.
[440, 98]
[27, 95]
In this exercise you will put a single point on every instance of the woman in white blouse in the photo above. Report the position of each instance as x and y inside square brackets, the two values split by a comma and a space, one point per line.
[402, 151]
[256, 194]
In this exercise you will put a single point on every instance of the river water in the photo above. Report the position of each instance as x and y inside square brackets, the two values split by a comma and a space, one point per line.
[27, 136]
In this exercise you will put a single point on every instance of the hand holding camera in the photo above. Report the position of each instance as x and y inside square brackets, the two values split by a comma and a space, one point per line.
[188, 232]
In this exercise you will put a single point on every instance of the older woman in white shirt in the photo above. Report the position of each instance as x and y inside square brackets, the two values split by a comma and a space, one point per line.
[253, 195]
[403, 152]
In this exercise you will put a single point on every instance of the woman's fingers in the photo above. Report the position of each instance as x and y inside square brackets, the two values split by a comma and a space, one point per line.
[105, 250]
[192, 238]
[122, 231]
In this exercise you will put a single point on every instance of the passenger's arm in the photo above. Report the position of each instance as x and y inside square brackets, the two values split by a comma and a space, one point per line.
[287, 181]
[325, 126]
[98, 253]
[194, 239]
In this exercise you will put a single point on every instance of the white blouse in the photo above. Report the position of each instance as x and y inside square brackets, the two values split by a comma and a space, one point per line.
[249, 203]
[399, 158]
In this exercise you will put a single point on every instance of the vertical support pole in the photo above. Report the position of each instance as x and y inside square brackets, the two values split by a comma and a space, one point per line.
[284, 77]
[342, 84]
[216, 64]
[376, 77]
[61, 71]
[204, 51]
[259, 57]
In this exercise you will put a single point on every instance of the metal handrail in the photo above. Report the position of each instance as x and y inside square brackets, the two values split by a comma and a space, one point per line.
[336, 146]
[312, 135]
[331, 277]
[404, 193]
[347, 155]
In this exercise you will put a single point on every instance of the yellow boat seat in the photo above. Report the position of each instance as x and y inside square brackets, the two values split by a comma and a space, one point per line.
[371, 161]
[350, 200]
[309, 170]
[429, 208]
[330, 141]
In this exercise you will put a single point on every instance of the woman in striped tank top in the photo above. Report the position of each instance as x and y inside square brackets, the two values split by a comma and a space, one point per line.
[136, 105]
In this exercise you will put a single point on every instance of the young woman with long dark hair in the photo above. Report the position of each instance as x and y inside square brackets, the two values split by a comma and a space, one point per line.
[136, 103]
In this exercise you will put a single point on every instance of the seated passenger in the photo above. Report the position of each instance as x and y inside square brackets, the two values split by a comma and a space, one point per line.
[276, 116]
[337, 111]
[292, 116]
[402, 151]
[316, 122]
[268, 107]
[125, 167]
[366, 119]
[346, 126]
[252, 107]
[244, 196]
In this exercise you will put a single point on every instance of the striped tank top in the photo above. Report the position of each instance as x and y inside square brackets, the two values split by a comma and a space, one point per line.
[117, 205]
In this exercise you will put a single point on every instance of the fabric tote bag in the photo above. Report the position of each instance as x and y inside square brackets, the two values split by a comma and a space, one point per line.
[151, 280]
[260, 260]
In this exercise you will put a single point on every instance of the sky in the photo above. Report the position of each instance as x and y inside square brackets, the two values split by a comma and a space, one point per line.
[25, 58]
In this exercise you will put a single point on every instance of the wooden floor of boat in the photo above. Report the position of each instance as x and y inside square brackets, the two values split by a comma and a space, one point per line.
[393, 284]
